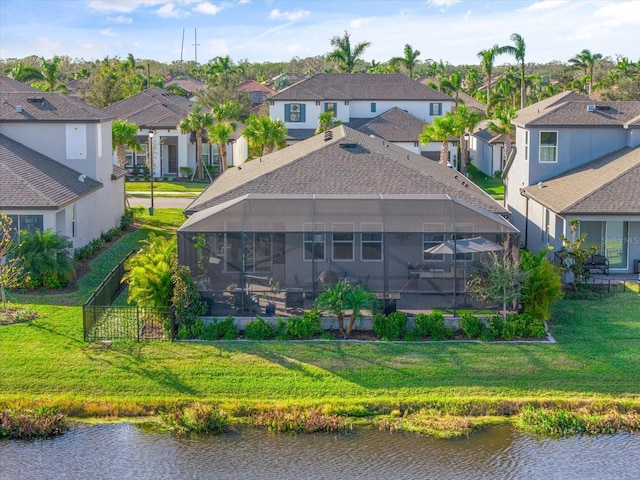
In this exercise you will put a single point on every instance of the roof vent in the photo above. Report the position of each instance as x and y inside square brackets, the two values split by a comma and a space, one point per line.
[328, 135]
[19, 108]
[591, 108]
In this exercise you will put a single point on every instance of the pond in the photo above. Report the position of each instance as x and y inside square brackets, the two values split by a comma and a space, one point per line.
[124, 451]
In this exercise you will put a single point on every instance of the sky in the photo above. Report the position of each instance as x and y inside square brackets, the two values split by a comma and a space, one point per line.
[453, 31]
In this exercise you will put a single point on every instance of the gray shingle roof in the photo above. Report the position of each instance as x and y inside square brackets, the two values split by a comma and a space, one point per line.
[10, 85]
[349, 163]
[30, 180]
[570, 109]
[361, 86]
[47, 106]
[153, 108]
[608, 185]
[394, 125]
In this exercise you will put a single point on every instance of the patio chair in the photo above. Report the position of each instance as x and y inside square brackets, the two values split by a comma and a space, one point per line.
[326, 279]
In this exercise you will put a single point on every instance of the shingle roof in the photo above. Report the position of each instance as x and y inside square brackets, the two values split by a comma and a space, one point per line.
[349, 163]
[152, 108]
[33, 106]
[571, 109]
[608, 185]
[472, 103]
[189, 85]
[10, 85]
[361, 86]
[30, 180]
[394, 125]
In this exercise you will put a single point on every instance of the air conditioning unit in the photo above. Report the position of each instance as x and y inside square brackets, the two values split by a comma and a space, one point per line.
[591, 108]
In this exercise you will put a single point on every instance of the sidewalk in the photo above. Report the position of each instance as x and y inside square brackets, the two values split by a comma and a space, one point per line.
[161, 202]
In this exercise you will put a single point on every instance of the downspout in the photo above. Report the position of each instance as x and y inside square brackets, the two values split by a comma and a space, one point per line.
[526, 218]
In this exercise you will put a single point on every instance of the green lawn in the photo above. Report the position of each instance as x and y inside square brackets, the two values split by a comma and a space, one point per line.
[162, 186]
[493, 186]
[596, 358]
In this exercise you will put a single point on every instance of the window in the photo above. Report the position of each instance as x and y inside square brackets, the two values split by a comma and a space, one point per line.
[610, 239]
[373, 107]
[31, 223]
[331, 107]
[136, 158]
[371, 246]
[314, 246]
[294, 112]
[74, 218]
[431, 240]
[435, 109]
[526, 145]
[548, 147]
[343, 246]
[257, 252]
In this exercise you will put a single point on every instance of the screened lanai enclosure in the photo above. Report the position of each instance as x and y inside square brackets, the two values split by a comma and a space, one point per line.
[272, 254]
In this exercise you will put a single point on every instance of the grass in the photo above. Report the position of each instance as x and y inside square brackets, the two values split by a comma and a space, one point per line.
[493, 186]
[595, 365]
[162, 186]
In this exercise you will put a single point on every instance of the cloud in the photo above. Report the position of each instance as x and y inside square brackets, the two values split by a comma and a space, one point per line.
[444, 4]
[216, 48]
[207, 8]
[121, 6]
[289, 16]
[545, 5]
[108, 32]
[121, 19]
[169, 11]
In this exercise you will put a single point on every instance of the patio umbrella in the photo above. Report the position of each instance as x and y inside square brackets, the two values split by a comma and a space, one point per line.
[463, 245]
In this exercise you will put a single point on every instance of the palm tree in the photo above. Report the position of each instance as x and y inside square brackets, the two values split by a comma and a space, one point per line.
[24, 73]
[225, 116]
[487, 58]
[344, 56]
[501, 125]
[452, 85]
[326, 121]
[48, 258]
[196, 122]
[123, 136]
[586, 60]
[334, 301]
[409, 61]
[358, 299]
[465, 120]
[440, 130]
[264, 134]
[50, 82]
[518, 50]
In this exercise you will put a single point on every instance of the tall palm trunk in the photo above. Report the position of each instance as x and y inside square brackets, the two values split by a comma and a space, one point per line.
[199, 166]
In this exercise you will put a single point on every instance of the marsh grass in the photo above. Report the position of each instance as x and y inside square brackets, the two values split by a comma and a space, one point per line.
[42, 422]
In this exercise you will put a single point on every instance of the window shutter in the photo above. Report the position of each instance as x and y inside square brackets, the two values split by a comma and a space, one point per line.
[303, 107]
[286, 112]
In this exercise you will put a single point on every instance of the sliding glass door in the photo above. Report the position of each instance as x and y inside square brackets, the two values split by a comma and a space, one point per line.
[610, 240]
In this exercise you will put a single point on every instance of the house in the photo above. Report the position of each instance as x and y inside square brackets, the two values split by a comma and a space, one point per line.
[184, 86]
[354, 100]
[256, 91]
[577, 159]
[157, 110]
[56, 170]
[487, 152]
[345, 203]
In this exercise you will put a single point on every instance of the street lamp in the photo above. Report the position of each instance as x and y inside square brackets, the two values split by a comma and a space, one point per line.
[151, 134]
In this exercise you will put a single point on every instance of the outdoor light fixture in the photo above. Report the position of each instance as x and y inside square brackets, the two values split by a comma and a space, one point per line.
[151, 135]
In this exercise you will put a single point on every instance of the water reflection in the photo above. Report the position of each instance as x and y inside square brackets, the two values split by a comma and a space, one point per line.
[123, 451]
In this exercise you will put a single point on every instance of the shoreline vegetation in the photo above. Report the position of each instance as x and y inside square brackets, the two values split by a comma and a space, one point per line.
[588, 382]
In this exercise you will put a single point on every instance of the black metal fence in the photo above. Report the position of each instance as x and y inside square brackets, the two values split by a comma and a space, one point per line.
[102, 321]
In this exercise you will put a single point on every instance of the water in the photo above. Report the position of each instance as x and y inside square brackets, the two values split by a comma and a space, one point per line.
[123, 451]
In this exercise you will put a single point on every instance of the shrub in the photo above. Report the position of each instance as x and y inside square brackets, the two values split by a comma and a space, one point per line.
[127, 218]
[281, 330]
[48, 258]
[495, 325]
[185, 299]
[221, 329]
[304, 327]
[471, 325]
[543, 287]
[259, 329]
[197, 418]
[299, 421]
[390, 327]
[432, 325]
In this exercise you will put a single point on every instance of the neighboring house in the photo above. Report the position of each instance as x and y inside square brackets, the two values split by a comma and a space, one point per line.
[356, 99]
[56, 170]
[398, 127]
[340, 202]
[256, 91]
[158, 110]
[578, 160]
[472, 103]
[187, 86]
[487, 151]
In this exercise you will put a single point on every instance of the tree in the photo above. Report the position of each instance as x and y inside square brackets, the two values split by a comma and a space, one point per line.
[196, 122]
[344, 296]
[123, 136]
[11, 269]
[264, 134]
[24, 73]
[487, 58]
[518, 50]
[452, 85]
[440, 130]
[501, 125]
[465, 121]
[220, 133]
[149, 273]
[573, 255]
[344, 56]
[50, 81]
[409, 61]
[543, 286]
[358, 299]
[326, 121]
[48, 258]
[586, 60]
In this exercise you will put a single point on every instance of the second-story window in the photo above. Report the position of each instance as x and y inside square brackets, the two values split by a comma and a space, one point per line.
[331, 107]
[548, 147]
[435, 109]
[526, 145]
[294, 112]
[373, 107]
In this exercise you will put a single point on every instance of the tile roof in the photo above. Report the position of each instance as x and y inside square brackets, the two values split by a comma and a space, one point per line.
[348, 163]
[152, 108]
[48, 107]
[360, 86]
[30, 180]
[394, 125]
[253, 86]
[10, 85]
[608, 185]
